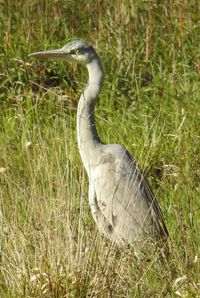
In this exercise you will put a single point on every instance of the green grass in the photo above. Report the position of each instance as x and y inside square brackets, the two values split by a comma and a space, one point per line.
[49, 244]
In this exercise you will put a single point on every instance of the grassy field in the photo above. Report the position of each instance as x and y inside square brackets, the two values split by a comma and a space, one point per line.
[150, 103]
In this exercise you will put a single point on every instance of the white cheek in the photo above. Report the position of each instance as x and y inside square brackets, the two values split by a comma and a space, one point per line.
[82, 59]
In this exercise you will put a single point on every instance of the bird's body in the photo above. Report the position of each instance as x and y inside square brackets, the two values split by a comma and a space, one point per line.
[121, 200]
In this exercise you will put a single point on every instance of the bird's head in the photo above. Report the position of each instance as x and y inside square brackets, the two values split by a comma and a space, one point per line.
[75, 51]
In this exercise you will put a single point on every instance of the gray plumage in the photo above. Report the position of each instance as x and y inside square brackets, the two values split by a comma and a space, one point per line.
[121, 199]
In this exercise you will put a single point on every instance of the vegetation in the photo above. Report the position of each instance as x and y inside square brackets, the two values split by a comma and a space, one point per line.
[49, 244]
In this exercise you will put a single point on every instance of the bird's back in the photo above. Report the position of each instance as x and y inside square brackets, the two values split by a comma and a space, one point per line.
[128, 212]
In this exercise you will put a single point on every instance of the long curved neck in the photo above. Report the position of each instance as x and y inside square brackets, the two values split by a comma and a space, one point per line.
[88, 139]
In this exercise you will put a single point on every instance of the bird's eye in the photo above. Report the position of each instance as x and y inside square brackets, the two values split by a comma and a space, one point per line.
[74, 52]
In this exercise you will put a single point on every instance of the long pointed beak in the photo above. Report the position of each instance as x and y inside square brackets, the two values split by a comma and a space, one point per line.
[54, 54]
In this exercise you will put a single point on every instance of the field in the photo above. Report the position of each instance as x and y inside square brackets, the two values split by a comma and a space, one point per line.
[150, 103]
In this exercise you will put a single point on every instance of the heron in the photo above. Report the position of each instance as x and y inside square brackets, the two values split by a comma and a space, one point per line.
[121, 199]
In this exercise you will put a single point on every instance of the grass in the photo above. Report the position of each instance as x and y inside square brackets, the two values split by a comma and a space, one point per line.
[50, 246]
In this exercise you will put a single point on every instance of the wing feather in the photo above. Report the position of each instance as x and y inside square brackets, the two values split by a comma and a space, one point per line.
[125, 198]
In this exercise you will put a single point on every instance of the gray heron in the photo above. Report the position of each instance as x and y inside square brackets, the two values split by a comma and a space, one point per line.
[122, 202]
